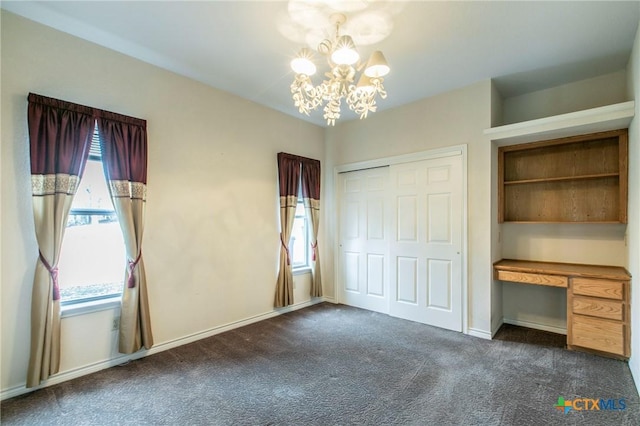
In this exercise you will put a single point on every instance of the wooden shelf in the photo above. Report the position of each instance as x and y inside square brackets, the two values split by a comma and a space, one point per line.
[579, 179]
[603, 222]
[559, 179]
[558, 268]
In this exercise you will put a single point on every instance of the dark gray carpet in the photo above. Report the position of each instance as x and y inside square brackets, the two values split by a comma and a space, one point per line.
[514, 333]
[337, 365]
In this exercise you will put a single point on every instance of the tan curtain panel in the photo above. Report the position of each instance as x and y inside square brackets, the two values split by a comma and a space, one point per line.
[123, 142]
[311, 197]
[59, 141]
[289, 178]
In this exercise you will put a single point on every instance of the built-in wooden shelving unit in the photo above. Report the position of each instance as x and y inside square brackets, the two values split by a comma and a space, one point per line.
[565, 168]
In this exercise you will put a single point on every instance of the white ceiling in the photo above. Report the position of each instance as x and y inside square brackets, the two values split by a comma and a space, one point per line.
[433, 47]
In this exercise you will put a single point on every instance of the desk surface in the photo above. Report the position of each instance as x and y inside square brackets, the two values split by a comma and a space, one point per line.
[564, 269]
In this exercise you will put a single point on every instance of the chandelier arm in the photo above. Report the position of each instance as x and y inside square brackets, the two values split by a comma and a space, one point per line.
[305, 96]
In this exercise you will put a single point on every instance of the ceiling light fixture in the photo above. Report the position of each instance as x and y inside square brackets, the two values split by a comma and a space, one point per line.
[344, 60]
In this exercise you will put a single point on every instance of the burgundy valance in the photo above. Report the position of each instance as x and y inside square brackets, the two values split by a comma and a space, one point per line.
[286, 187]
[128, 136]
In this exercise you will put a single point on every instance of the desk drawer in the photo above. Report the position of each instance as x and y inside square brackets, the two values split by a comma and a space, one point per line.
[598, 288]
[599, 334]
[528, 278]
[610, 309]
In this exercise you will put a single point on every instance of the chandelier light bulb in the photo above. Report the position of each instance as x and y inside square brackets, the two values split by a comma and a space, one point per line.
[302, 64]
[377, 65]
[345, 52]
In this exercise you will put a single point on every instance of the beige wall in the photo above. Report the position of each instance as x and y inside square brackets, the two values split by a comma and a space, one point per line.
[575, 243]
[211, 237]
[633, 228]
[591, 93]
[496, 242]
[453, 118]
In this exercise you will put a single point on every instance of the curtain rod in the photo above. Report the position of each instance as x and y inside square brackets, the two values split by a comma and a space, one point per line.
[95, 112]
[297, 157]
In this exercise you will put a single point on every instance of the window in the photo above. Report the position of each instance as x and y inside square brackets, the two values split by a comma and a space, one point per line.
[299, 243]
[92, 258]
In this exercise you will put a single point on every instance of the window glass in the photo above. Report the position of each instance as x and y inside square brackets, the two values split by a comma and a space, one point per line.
[299, 243]
[93, 193]
[92, 258]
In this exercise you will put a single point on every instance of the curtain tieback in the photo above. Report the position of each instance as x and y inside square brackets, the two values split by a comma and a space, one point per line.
[284, 246]
[314, 247]
[131, 283]
[53, 271]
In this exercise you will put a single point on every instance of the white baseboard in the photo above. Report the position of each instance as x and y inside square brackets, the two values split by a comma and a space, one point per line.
[486, 335]
[496, 327]
[483, 334]
[536, 326]
[101, 365]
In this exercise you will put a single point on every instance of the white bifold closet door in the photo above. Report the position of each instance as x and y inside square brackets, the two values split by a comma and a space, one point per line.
[401, 240]
[364, 239]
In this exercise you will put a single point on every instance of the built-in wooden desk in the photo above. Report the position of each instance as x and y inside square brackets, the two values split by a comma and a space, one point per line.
[597, 301]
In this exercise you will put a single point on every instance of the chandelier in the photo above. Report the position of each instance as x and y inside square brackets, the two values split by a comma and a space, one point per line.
[344, 60]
